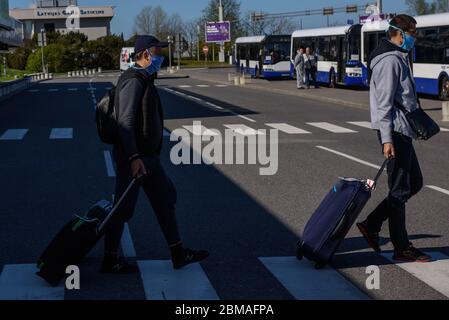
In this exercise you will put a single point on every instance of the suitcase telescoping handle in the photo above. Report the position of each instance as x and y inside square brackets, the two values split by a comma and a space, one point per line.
[381, 170]
[118, 203]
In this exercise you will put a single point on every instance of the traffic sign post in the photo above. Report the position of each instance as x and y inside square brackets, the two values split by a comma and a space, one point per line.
[42, 42]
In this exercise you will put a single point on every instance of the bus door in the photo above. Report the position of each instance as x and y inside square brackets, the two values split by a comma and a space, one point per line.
[341, 55]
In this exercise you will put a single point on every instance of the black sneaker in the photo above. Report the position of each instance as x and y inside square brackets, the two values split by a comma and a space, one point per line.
[411, 254]
[117, 265]
[372, 238]
[189, 256]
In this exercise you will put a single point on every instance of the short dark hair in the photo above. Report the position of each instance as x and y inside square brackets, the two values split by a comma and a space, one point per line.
[401, 21]
[138, 55]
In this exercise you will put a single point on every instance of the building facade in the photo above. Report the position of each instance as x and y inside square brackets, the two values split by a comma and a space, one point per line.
[11, 34]
[62, 16]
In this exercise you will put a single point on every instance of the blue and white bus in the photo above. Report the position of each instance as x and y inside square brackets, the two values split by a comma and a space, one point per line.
[337, 50]
[430, 56]
[263, 56]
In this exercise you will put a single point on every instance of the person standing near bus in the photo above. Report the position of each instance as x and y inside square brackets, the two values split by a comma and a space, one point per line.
[310, 68]
[299, 67]
[392, 84]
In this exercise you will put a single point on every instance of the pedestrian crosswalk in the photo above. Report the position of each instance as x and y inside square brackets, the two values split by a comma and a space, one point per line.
[161, 282]
[306, 129]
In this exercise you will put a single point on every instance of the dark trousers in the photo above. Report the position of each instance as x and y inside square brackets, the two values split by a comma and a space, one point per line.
[404, 181]
[159, 190]
[311, 76]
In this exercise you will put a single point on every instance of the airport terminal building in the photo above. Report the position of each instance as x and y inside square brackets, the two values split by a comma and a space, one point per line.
[52, 16]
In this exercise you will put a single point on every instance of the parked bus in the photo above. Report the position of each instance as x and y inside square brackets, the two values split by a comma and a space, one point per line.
[264, 56]
[126, 58]
[430, 55]
[337, 50]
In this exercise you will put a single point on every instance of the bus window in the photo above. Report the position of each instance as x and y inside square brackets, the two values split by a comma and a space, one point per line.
[354, 44]
[428, 46]
[444, 42]
[333, 49]
[323, 48]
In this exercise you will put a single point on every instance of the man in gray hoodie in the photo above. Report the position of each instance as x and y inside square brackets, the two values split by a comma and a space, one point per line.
[391, 86]
[299, 67]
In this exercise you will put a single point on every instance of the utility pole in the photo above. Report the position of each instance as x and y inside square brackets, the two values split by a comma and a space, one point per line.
[222, 53]
[42, 39]
[379, 6]
[198, 29]
[170, 40]
[4, 65]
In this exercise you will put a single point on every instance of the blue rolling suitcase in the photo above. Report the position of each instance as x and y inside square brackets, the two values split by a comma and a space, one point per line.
[333, 219]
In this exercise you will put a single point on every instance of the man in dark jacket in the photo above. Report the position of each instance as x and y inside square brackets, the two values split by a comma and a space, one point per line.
[136, 153]
[392, 85]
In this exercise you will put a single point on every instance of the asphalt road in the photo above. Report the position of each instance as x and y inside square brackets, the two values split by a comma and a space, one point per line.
[250, 223]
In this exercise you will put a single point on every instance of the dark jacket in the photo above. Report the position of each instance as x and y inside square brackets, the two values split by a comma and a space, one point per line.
[139, 114]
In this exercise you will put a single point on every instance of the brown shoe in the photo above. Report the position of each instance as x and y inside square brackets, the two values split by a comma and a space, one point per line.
[372, 238]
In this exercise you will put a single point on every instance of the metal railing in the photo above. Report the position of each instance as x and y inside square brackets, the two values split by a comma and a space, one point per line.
[8, 88]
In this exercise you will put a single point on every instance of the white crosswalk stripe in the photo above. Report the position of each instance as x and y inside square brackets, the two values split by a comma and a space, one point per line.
[61, 133]
[185, 86]
[286, 128]
[304, 282]
[200, 130]
[330, 127]
[72, 89]
[20, 282]
[444, 130]
[162, 282]
[33, 90]
[363, 124]
[14, 134]
[203, 86]
[243, 129]
[53, 90]
[435, 274]
[221, 85]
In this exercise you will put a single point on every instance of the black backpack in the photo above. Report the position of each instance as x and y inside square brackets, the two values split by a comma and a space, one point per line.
[105, 114]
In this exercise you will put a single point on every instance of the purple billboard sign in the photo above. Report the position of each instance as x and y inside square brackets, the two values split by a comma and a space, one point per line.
[218, 31]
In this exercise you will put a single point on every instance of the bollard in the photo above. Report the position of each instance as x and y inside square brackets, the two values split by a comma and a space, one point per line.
[243, 80]
[51, 75]
[99, 69]
[46, 76]
[446, 111]
[69, 74]
[237, 80]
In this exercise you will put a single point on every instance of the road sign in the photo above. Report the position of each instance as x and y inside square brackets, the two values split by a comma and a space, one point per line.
[42, 39]
[206, 49]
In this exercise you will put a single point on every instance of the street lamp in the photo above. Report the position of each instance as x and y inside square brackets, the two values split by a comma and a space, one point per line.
[170, 41]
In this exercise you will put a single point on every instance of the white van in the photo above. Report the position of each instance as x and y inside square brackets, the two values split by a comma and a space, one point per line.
[126, 58]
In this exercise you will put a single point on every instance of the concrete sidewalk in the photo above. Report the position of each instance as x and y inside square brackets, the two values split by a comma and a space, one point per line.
[350, 97]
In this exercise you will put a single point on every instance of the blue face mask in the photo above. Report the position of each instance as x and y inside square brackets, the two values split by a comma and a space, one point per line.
[156, 64]
[408, 42]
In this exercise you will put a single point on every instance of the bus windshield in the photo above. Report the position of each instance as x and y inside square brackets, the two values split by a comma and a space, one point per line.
[354, 42]
[277, 50]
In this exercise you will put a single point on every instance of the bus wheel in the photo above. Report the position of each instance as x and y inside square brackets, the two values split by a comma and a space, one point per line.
[332, 80]
[444, 89]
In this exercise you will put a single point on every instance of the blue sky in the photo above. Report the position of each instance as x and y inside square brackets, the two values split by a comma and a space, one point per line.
[126, 10]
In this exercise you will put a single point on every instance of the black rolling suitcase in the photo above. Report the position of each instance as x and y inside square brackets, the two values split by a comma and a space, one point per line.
[76, 239]
[333, 219]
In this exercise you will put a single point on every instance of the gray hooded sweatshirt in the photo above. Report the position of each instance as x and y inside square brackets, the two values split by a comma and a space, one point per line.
[391, 83]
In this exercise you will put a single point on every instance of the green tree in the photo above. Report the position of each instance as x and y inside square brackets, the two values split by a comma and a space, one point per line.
[421, 7]
[231, 12]
[18, 59]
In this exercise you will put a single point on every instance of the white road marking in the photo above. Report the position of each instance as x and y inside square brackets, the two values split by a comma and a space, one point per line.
[14, 134]
[304, 282]
[162, 282]
[33, 90]
[20, 282]
[109, 165]
[374, 166]
[72, 89]
[61, 133]
[221, 85]
[203, 86]
[349, 157]
[435, 274]
[446, 192]
[363, 124]
[444, 130]
[185, 86]
[330, 127]
[284, 127]
[245, 118]
[53, 90]
[127, 243]
[200, 130]
[243, 129]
